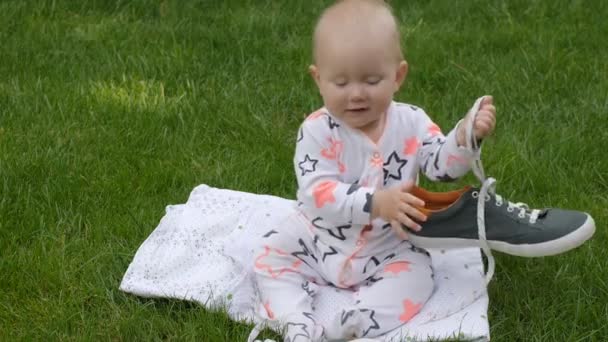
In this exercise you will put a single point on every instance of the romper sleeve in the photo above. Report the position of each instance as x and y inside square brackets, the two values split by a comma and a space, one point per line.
[441, 159]
[318, 168]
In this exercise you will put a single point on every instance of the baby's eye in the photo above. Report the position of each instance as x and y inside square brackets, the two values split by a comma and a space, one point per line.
[340, 83]
[373, 80]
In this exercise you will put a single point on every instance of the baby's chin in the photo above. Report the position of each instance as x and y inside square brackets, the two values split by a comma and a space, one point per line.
[360, 120]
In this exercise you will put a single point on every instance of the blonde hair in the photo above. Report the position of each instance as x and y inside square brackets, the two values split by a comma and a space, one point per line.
[358, 7]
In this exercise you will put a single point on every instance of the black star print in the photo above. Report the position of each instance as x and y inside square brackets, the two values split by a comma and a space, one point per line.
[346, 315]
[371, 279]
[426, 162]
[419, 250]
[392, 167]
[370, 316]
[334, 231]
[439, 141]
[332, 251]
[373, 324]
[414, 108]
[305, 253]
[353, 187]
[386, 226]
[307, 289]
[270, 233]
[371, 260]
[390, 256]
[309, 316]
[307, 165]
[332, 124]
[297, 330]
[367, 207]
[436, 162]
[376, 262]
[300, 135]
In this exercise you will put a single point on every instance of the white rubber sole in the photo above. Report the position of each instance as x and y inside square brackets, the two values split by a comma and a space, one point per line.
[553, 247]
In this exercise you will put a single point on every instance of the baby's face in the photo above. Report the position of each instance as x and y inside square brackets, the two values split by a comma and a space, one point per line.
[357, 81]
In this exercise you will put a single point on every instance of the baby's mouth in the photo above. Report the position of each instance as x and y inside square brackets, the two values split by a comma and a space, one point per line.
[357, 110]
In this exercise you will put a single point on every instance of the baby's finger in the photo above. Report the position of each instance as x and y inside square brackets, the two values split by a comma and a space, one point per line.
[412, 212]
[487, 100]
[483, 114]
[412, 200]
[486, 114]
[490, 108]
[486, 123]
[398, 229]
[482, 131]
[482, 125]
[408, 222]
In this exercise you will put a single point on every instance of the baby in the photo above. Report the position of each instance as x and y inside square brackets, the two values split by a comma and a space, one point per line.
[355, 160]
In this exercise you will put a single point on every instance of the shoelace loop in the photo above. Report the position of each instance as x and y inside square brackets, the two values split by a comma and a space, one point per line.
[524, 209]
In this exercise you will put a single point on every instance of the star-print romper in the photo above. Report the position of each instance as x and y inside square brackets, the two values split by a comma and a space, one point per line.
[330, 240]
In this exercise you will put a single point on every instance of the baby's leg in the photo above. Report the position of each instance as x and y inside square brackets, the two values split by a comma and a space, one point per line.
[400, 286]
[285, 279]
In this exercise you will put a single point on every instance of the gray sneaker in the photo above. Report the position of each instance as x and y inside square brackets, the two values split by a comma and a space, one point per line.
[455, 220]
[481, 218]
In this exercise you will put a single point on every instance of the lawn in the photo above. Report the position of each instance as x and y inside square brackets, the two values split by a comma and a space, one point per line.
[111, 110]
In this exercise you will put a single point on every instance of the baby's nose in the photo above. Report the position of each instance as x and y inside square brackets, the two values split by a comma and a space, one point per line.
[357, 93]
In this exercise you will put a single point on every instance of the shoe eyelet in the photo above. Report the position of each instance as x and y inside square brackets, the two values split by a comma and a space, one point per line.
[488, 198]
[510, 209]
[498, 204]
[475, 194]
[521, 216]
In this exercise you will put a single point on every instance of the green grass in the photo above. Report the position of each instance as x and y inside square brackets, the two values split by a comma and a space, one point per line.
[111, 110]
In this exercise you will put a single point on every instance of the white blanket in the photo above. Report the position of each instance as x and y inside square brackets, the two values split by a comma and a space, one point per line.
[201, 251]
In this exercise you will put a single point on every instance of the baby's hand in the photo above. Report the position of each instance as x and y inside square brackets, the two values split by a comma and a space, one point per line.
[396, 205]
[484, 124]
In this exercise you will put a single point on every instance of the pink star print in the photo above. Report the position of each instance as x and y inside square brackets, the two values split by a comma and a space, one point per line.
[324, 192]
[268, 310]
[409, 310]
[397, 267]
[456, 159]
[334, 151]
[315, 115]
[434, 129]
[411, 146]
[275, 273]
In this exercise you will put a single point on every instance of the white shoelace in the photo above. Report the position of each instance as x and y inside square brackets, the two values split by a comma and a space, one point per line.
[477, 167]
[488, 186]
[256, 331]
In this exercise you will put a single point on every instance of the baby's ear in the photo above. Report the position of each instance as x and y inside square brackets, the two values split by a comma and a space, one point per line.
[314, 72]
[401, 74]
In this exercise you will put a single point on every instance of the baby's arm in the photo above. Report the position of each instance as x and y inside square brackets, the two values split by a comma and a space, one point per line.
[318, 169]
[447, 158]
[441, 157]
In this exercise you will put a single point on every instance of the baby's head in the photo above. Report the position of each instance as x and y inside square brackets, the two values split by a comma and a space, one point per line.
[358, 64]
